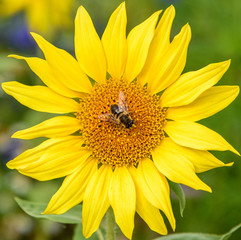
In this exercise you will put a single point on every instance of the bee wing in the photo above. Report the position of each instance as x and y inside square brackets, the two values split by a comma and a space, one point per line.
[107, 117]
[122, 102]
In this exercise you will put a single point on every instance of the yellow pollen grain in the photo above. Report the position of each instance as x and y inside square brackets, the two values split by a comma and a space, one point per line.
[112, 143]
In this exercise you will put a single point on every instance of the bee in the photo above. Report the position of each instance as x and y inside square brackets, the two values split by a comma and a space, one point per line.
[119, 113]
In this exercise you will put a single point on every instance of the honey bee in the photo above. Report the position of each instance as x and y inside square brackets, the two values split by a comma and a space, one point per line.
[119, 113]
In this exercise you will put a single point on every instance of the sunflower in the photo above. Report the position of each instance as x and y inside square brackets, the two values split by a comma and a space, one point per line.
[41, 15]
[106, 162]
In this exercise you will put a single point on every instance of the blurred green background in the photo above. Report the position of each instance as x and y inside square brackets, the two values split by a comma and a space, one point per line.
[216, 36]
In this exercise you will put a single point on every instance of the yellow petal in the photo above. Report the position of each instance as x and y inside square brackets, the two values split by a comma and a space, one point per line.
[155, 188]
[176, 166]
[96, 202]
[32, 155]
[138, 41]
[160, 44]
[52, 128]
[161, 39]
[122, 195]
[194, 135]
[73, 187]
[40, 98]
[190, 85]
[65, 68]
[88, 48]
[114, 42]
[55, 164]
[202, 160]
[41, 68]
[171, 64]
[207, 104]
[150, 214]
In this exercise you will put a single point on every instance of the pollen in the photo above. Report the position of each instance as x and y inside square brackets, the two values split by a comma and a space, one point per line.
[113, 143]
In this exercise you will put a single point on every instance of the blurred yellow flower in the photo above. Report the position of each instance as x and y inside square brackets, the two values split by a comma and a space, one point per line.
[129, 131]
[41, 15]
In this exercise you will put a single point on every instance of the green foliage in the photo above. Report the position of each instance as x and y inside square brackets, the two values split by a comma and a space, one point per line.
[72, 216]
[177, 189]
[36, 209]
[200, 236]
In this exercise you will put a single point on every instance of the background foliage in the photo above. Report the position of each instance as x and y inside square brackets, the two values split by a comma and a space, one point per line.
[216, 36]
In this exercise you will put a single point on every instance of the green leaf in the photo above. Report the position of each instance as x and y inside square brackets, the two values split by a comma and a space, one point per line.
[79, 236]
[200, 236]
[189, 236]
[177, 189]
[227, 235]
[35, 209]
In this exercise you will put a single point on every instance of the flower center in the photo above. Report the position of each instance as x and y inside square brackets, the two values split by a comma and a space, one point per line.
[111, 140]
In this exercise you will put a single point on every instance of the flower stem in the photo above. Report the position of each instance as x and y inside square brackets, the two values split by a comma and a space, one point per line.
[100, 235]
[110, 225]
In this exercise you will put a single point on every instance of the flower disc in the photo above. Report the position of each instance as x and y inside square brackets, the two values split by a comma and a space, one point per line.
[113, 143]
